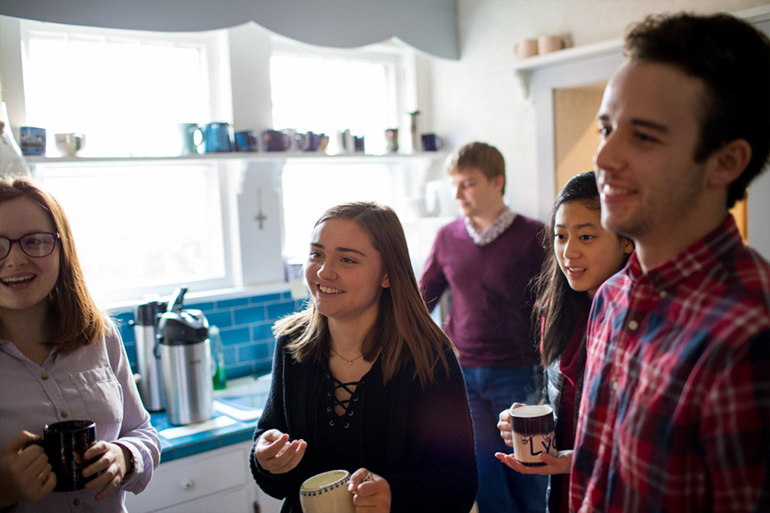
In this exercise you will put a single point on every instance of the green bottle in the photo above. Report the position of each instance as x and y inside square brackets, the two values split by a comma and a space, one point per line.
[218, 355]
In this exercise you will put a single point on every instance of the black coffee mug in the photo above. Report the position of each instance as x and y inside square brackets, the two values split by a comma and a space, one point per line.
[431, 142]
[65, 443]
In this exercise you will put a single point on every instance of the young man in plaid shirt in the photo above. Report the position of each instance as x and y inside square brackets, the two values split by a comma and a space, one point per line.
[675, 415]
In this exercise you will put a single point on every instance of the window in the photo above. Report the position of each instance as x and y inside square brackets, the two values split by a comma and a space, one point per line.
[326, 91]
[332, 91]
[142, 226]
[127, 91]
[307, 193]
[163, 228]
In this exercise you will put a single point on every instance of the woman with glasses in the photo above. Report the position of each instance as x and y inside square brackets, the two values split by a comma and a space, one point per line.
[60, 359]
[365, 381]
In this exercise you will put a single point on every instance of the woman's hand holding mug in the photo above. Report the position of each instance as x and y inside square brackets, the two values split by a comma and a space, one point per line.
[371, 493]
[559, 464]
[25, 474]
[109, 459]
[276, 454]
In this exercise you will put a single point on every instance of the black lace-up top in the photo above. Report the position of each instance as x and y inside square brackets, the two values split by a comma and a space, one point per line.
[340, 424]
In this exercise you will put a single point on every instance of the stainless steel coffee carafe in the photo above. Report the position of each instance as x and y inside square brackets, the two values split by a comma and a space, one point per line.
[185, 354]
[150, 370]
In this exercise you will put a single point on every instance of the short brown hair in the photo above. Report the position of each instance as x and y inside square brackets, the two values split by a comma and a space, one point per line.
[404, 329]
[76, 319]
[732, 58]
[477, 155]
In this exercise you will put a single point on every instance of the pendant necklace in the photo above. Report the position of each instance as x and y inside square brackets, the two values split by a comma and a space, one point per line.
[348, 361]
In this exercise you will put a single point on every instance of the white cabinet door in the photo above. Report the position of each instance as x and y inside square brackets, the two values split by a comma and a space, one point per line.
[180, 482]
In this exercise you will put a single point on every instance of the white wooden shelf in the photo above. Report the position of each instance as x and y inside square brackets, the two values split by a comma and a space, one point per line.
[264, 157]
[524, 68]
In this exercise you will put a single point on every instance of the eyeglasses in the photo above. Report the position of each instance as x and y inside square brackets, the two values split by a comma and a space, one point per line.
[36, 245]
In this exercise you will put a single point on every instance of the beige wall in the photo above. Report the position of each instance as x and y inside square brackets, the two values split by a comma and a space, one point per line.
[576, 135]
[478, 97]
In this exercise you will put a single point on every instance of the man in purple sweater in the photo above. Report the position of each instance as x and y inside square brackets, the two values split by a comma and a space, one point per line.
[487, 259]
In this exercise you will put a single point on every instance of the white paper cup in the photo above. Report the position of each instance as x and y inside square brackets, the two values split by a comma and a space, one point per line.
[327, 493]
[533, 434]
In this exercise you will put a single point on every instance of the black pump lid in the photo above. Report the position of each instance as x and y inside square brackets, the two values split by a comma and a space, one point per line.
[146, 312]
[183, 328]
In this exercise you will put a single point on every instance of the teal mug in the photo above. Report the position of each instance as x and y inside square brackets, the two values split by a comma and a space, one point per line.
[192, 138]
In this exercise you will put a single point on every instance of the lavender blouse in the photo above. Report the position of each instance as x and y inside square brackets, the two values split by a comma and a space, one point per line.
[93, 382]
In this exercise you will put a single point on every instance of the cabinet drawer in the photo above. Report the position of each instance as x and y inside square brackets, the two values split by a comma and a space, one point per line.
[191, 478]
[231, 501]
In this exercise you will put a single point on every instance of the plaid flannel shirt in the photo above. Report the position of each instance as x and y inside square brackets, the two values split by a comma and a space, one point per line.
[675, 414]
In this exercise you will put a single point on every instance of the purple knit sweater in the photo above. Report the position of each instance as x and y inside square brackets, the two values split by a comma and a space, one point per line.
[489, 316]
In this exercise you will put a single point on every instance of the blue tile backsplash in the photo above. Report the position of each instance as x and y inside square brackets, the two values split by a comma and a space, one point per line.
[244, 325]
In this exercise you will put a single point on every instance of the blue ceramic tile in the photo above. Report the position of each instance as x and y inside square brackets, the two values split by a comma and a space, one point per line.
[286, 295]
[229, 303]
[239, 371]
[262, 350]
[230, 356]
[262, 331]
[266, 298]
[280, 309]
[220, 319]
[206, 307]
[131, 353]
[127, 334]
[247, 315]
[247, 353]
[124, 318]
[263, 367]
[231, 336]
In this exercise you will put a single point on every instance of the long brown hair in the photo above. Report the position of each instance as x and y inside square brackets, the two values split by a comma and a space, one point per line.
[403, 330]
[76, 321]
[560, 305]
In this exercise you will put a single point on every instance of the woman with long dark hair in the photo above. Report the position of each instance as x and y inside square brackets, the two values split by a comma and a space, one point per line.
[581, 255]
[364, 380]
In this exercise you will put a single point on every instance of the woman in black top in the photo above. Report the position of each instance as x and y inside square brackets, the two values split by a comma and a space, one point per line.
[364, 380]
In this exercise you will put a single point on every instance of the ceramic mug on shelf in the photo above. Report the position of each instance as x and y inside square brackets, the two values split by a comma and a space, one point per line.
[391, 140]
[246, 140]
[70, 144]
[431, 142]
[32, 140]
[358, 143]
[274, 140]
[525, 48]
[548, 44]
[218, 138]
[327, 492]
[192, 138]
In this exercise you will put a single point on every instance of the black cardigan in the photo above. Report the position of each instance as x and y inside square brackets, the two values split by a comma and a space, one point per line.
[419, 439]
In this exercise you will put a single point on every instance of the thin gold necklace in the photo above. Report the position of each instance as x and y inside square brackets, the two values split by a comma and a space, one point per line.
[348, 361]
